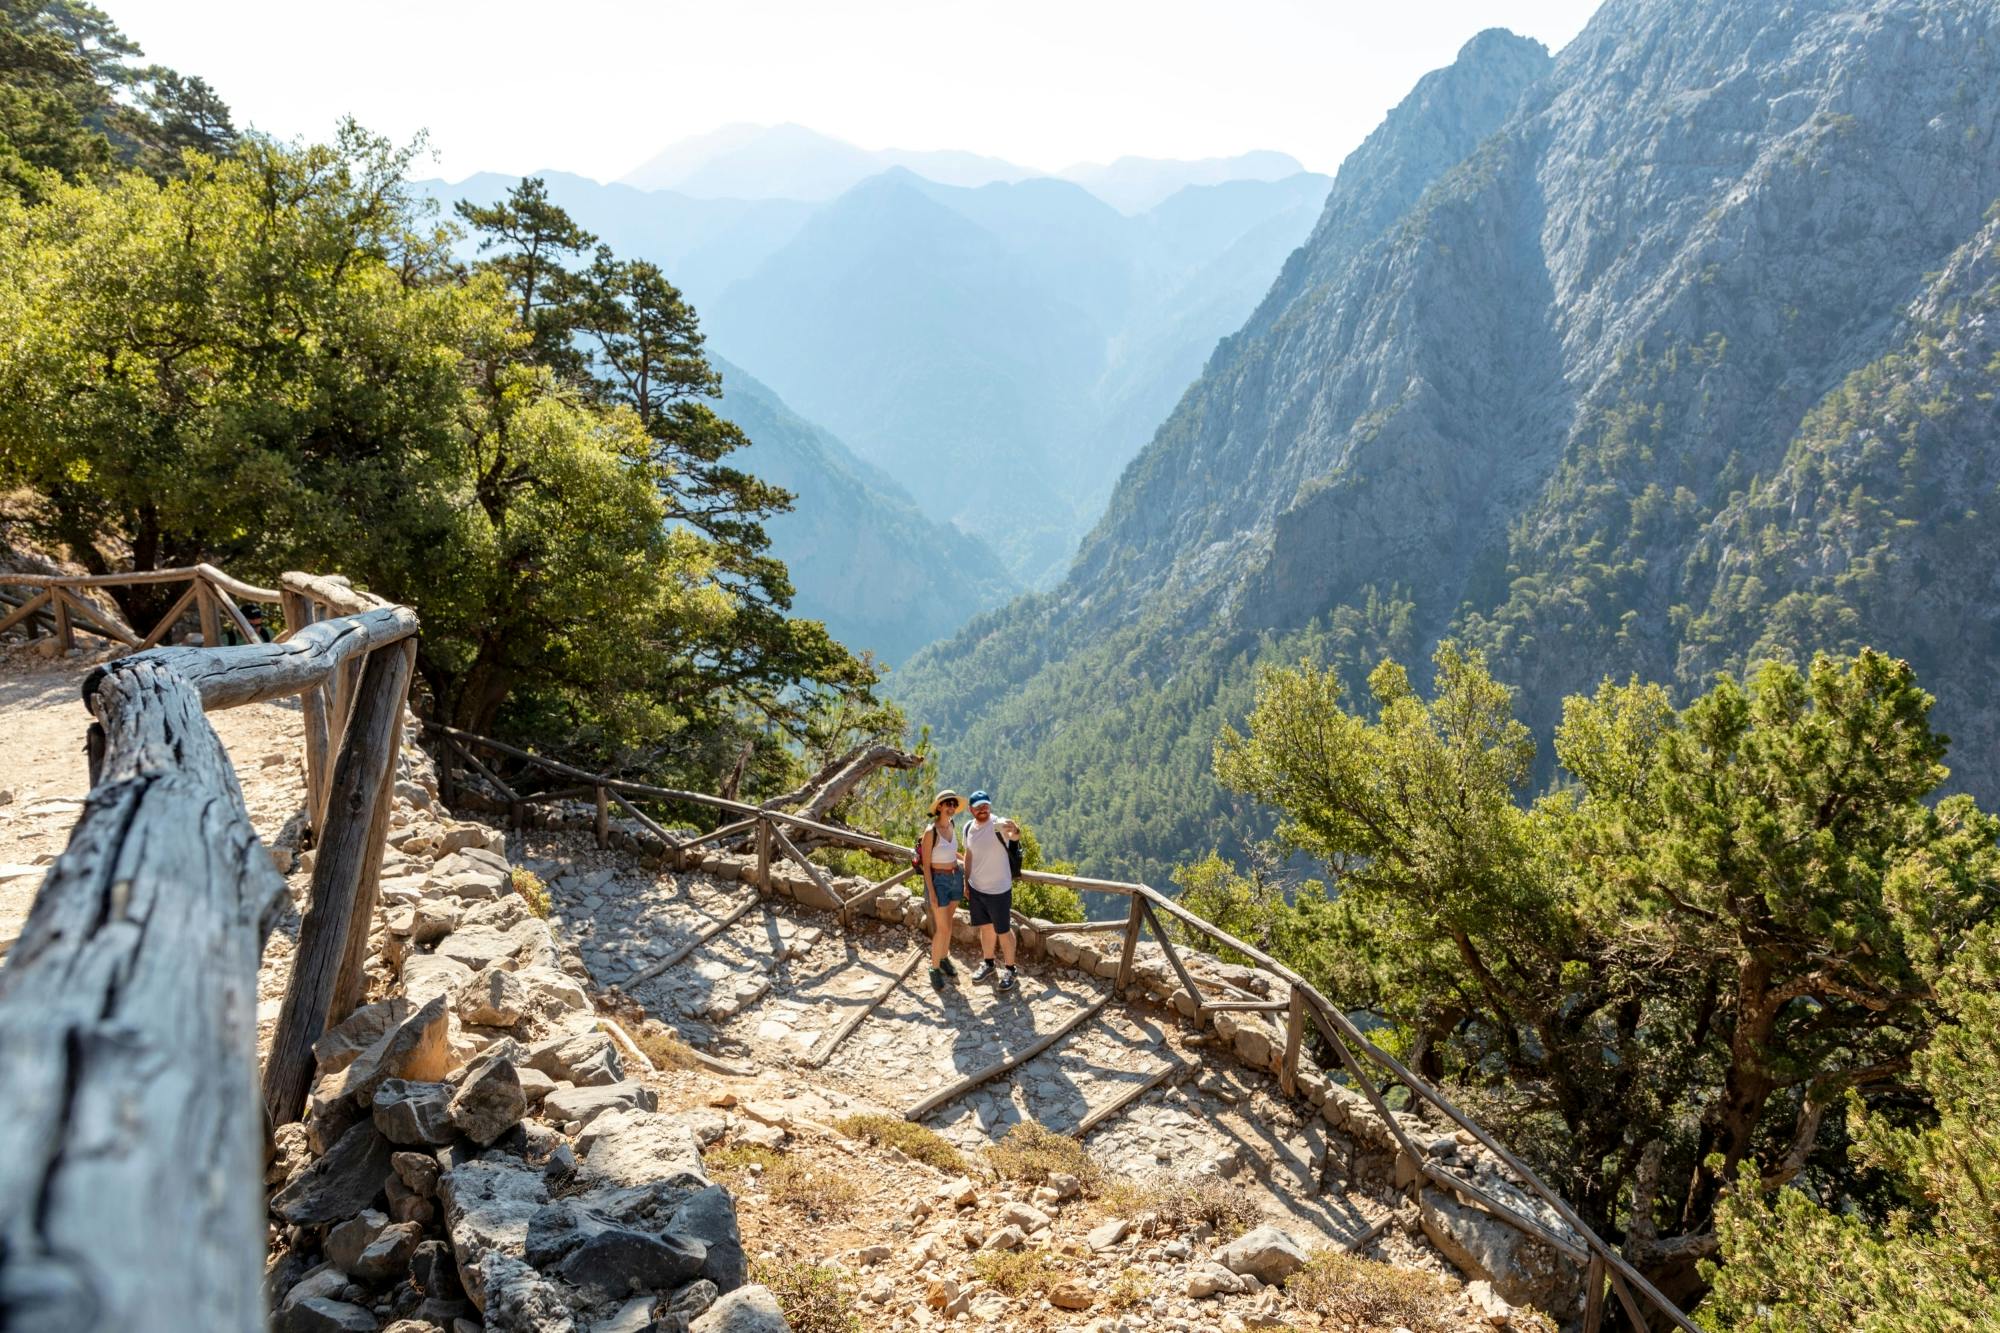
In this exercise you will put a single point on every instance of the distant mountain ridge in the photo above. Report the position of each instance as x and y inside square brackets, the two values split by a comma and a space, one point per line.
[1675, 352]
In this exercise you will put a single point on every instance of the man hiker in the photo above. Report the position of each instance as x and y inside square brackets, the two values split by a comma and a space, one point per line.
[989, 879]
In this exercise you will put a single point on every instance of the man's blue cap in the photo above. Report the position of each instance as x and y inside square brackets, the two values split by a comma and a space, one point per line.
[978, 798]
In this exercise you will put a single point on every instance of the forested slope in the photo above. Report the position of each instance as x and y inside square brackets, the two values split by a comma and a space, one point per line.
[1564, 372]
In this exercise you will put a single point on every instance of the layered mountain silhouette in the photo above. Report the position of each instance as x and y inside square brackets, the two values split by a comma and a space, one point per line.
[1667, 355]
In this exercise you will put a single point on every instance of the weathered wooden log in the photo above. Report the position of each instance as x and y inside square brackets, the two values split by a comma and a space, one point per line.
[868, 895]
[1174, 958]
[824, 1052]
[1134, 919]
[131, 1161]
[999, 1067]
[1295, 1031]
[167, 622]
[257, 672]
[707, 933]
[298, 613]
[205, 607]
[603, 829]
[367, 753]
[27, 611]
[1175, 1069]
[352, 983]
[1082, 927]
[233, 586]
[65, 641]
[837, 781]
[94, 620]
[331, 591]
[799, 858]
[646, 821]
[1593, 1296]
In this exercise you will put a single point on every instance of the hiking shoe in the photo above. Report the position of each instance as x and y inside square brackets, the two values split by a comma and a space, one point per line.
[985, 970]
[949, 970]
[937, 978]
[1007, 979]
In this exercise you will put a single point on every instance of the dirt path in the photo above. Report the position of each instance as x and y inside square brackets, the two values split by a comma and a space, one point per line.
[44, 775]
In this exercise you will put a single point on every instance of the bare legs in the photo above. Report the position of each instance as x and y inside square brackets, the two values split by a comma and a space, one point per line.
[941, 932]
[986, 934]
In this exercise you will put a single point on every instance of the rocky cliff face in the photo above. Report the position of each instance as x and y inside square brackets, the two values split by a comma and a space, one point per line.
[1539, 379]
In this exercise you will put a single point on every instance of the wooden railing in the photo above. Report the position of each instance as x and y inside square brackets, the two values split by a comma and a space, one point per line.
[55, 602]
[1306, 1010]
[131, 1132]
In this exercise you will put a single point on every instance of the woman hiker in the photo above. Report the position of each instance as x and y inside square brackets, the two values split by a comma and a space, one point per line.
[944, 881]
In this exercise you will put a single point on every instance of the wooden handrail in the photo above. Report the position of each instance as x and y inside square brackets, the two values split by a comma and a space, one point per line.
[1147, 903]
[235, 587]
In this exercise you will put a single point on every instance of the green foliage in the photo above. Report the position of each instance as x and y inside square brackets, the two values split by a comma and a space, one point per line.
[1023, 1272]
[72, 104]
[1791, 1263]
[530, 886]
[1355, 1295]
[273, 361]
[913, 1141]
[1033, 1153]
[1667, 969]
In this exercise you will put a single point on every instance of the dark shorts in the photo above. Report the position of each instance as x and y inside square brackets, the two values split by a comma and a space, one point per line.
[950, 885]
[993, 909]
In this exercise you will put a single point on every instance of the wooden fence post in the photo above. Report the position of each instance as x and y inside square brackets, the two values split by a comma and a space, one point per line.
[211, 621]
[1295, 1030]
[298, 612]
[65, 640]
[1593, 1295]
[1132, 923]
[603, 817]
[764, 855]
[367, 753]
[352, 981]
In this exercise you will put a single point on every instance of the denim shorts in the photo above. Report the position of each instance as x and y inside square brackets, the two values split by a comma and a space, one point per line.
[950, 886]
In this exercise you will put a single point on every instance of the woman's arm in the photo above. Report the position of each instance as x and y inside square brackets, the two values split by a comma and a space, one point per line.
[924, 845]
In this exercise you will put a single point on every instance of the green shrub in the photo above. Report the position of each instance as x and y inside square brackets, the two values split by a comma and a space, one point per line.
[912, 1140]
[1018, 1272]
[1174, 1204]
[1354, 1295]
[811, 1296]
[1033, 1153]
[529, 885]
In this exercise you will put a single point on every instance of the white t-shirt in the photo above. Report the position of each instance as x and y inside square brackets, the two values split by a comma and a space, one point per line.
[989, 856]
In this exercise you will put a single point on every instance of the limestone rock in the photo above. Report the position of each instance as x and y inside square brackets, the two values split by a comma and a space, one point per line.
[414, 1113]
[1211, 1279]
[1265, 1253]
[317, 1314]
[587, 1059]
[493, 998]
[491, 1102]
[416, 1048]
[338, 1046]
[340, 1184]
[426, 976]
[1030, 1219]
[1520, 1268]
[618, 1261]
[586, 1104]
[745, 1310]
[514, 1298]
[709, 1217]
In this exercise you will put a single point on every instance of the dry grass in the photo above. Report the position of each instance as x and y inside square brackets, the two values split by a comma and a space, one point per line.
[1175, 1204]
[663, 1046]
[913, 1141]
[1353, 1295]
[1033, 1153]
[811, 1297]
[1133, 1286]
[736, 1159]
[529, 885]
[816, 1193]
[1019, 1272]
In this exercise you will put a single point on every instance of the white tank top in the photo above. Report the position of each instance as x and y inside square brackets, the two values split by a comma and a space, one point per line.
[944, 850]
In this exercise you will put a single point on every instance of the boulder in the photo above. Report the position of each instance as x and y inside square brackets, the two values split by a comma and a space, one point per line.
[586, 1104]
[1072, 1294]
[493, 998]
[418, 1170]
[618, 1262]
[1266, 1253]
[414, 1113]
[514, 1298]
[710, 1217]
[488, 1204]
[694, 1299]
[625, 1145]
[491, 1102]
[1025, 1216]
[345, 1242]
[745, 1310]
[1521, 1269]
[1107, 1234]
[433, 1272]
[1211, 1279]
[317, 1314]
[325, 1281]
[338, 1046]
[587, 1059]
[340, 1184]
[418, 1047]
[388, 1255]
[426, 976]
[547, 988]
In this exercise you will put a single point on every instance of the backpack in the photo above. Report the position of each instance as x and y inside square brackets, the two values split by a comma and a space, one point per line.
[1013, 846]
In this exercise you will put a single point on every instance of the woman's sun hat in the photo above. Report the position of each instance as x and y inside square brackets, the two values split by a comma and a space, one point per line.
[946, 795]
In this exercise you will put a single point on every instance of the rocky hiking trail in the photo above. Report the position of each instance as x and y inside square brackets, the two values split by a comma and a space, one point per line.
[592, 1094]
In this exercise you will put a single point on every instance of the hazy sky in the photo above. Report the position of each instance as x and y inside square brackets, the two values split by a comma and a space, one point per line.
[598, 86]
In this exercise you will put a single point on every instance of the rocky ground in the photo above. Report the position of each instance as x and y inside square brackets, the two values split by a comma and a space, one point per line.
[487, 1147]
